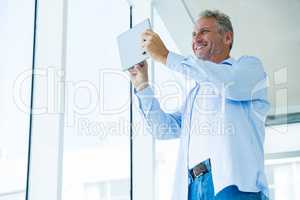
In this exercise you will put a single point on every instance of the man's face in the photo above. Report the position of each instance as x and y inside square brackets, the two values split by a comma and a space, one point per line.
[207, 42]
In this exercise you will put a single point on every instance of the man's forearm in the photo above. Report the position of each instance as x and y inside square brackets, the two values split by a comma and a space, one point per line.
[162, 125]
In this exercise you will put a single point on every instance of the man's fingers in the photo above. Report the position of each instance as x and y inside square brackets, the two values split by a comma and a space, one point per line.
[149, 31]
[145, 38]
[148, 34]
[144, 64]
[148, 37]
[132, 71]
[145, 45]
[138, 68]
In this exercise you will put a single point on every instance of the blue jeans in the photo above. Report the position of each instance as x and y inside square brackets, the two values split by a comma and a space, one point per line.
[202, 189]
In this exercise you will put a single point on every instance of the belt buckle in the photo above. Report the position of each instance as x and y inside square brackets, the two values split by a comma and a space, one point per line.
[195, 175]
[199, 170]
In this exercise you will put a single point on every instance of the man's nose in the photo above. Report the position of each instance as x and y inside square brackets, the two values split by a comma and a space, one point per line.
[197, 38]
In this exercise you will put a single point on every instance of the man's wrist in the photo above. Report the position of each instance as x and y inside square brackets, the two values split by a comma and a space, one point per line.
[174, 60]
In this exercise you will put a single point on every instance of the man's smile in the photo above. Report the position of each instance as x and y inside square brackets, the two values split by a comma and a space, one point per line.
[200, 46]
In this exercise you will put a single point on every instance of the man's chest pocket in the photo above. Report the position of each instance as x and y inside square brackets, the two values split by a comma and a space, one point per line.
[208, 101]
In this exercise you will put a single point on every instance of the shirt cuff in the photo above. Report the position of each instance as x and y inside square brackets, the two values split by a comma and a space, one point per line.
[145, 98]
[174, 60]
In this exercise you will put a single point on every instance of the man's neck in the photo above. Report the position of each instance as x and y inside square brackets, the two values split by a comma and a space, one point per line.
[219, 59]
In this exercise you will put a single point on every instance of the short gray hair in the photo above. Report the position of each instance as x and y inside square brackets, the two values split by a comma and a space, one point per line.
[223, 20]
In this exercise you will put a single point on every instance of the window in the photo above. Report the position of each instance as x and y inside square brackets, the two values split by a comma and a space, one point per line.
[282, 161]
[109, 190]
[96, 132]
[89, 142]
[16, 38]
[284, 178]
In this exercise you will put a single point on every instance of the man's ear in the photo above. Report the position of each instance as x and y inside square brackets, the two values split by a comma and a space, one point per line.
[228, 38]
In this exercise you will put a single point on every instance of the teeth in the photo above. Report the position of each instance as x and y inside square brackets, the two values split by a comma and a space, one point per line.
[200, 47]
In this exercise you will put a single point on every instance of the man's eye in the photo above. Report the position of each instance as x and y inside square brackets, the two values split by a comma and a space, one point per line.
[194, 34]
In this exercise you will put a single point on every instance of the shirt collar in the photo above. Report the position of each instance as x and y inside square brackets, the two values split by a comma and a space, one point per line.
[229, 61]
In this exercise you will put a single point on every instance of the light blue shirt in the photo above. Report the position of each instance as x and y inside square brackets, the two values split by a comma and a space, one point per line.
[222, 119]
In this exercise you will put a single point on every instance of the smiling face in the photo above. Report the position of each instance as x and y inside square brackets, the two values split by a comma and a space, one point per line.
[208, 42]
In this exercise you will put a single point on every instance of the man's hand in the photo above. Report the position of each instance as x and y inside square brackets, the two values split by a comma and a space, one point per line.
[139, 75]
[154, 46]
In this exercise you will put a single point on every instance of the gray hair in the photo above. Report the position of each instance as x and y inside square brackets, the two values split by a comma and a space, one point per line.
[223, 20]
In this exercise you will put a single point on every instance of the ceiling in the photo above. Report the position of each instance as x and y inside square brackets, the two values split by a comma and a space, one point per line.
[267, 29]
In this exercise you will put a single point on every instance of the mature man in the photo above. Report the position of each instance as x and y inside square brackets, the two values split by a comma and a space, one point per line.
[221, 124]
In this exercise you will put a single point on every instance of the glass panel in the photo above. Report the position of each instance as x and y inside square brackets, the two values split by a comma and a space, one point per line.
[282, 138]
[283, 174]
[96, 154]
[143, 143]
[284, 178]
[16, 34]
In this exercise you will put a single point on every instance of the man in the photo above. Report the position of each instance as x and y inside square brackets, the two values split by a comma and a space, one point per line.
[221, 124]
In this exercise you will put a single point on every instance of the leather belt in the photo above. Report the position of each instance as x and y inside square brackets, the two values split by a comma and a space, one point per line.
[200, 169]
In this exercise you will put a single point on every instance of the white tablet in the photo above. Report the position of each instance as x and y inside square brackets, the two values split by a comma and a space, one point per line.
[129, 43]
